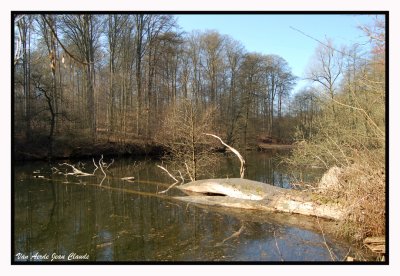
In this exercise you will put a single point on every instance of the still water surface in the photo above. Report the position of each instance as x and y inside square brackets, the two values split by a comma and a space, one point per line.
[72, 217]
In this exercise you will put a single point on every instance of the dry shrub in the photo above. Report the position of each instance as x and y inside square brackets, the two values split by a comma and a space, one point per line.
[356, 180]
[362, 194]
[190, 151]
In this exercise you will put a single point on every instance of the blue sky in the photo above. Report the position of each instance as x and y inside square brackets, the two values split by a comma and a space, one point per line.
[271, 33]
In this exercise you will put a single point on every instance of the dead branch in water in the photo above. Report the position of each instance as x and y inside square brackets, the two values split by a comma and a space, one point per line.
[170, 175]
[78, 173]
[128, 178]
[101, 164]
[242, 162]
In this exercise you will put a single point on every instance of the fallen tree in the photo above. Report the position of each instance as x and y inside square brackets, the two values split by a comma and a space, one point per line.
[248, 194]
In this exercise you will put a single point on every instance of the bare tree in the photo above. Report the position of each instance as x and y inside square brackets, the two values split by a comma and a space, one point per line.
[327, 69]
[234, 52]
[23, 25]
[83, 32]
[182, 133]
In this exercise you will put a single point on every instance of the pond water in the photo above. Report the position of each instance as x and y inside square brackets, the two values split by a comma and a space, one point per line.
[70, 218]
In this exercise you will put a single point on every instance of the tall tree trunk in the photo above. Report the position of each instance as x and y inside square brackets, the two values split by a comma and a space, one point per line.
[23, 27]
[139, 51]
[89, 59]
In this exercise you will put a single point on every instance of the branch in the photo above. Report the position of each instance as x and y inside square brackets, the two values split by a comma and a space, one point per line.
[365, 113]
[101, 167]
[112, 161]
[242, 162]
[128, 178]
[322, 43]
[76, 171]
[333, 256]
[183, 180]
[188, 172]
[277, 247]
[94, 163]
[62, 46]
[234, 235]
[176, 181]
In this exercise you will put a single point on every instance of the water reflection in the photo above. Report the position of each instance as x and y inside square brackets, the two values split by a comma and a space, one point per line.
[122, 221]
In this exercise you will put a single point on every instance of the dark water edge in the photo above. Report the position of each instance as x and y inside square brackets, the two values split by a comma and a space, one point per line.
[38, 151]
[128, 221]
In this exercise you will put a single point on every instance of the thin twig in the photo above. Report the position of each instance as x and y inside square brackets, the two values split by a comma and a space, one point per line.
[347, 254]
[365, 113]
[94, 163]
[101, 182]
[322, 43]
[187, 170]
[180, 174]
[112, 161]
[61, 44]
[277, 247]
[319, 158]
[333, 257]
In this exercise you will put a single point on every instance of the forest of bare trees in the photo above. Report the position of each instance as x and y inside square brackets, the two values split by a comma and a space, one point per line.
[115, 77]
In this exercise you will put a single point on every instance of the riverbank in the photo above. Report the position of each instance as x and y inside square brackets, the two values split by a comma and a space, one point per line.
[64, 148]
[81, 148]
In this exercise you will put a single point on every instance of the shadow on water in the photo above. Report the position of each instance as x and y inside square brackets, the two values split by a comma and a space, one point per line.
[129, 221]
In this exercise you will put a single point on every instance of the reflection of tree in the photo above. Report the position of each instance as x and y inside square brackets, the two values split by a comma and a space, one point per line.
[53, 219]
[40, 233]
